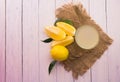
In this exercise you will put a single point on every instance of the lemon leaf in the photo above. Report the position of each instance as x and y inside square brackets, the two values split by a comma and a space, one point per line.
[52, 64]
[68, 21]
[47, 40]
[64, 20]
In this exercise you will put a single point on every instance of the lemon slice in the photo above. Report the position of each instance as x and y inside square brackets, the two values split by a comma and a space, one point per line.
[87, 37]
[55, 33]
[69, 29]
[67, 41]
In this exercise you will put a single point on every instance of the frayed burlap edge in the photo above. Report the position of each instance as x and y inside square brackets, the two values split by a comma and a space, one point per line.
[80, 60]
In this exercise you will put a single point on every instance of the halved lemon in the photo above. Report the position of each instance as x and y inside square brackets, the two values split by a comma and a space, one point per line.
[55, 33]
[87, 37]
[69, 29]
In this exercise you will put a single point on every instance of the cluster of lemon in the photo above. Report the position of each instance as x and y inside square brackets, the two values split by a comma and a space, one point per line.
[62, 35]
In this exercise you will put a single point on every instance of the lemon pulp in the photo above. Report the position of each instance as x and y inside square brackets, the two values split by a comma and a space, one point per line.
[55, 33]
[67, 41]
[69, 29]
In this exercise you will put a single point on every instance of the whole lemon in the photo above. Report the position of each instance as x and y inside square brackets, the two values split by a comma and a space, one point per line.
[59, 53]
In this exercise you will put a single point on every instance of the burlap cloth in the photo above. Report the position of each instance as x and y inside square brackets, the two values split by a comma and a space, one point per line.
[81, 60]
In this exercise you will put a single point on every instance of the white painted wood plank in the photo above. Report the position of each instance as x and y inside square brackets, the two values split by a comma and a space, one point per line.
[46, 18]
[30, 41]
[113, 25]
[2, 41]
[59, 3]
[62, 74]
[86, 77]
[13, 41]
[98, 13]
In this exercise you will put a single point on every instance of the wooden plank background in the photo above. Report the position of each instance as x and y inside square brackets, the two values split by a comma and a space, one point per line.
[24, 58]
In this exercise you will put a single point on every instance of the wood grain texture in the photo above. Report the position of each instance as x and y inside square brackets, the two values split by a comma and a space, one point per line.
[98, 13]
[113, 18]
[13, 41]
[2, 41]
[46, 18]
[24, 58]
[30, 41]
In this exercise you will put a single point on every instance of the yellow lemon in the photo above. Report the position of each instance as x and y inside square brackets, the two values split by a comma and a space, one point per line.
[69, 29]
[59, 53]
[55, 33]
[67, 41]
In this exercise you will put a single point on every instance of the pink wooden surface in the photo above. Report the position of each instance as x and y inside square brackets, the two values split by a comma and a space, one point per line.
[2, 41]
[13, 41]
[24, 58]
[30, 41]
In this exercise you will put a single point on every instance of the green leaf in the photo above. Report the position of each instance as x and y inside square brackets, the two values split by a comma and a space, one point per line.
[52, 64]
[64, 20]
[47, 40]
[68, 21]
